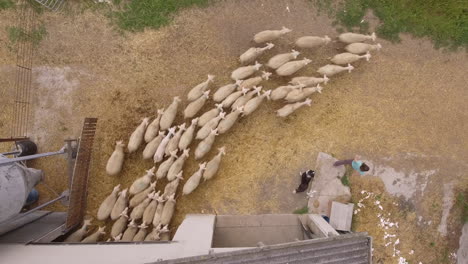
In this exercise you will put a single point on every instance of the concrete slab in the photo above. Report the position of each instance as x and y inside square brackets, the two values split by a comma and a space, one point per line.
[462, 253]
[320, 227]
[341, 216]
[196, 232]
[326, 186]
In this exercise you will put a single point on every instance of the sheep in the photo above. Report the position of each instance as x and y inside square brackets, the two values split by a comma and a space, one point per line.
[142, 183]
[205, 145]
[212, 124]
[229, 120]
[153, 145]
[233, 97]
[251, 54]
[207, 116]
[346, 58]
[331, 69]
[137, 136]
[291, 67]
[160, 151]
[139, 197]
[94, 237]
[130, 232]
[153, 127]
[169, 114]
[298, 95]
[176, 167]
[360, 48]
[197, 91]
[225, 91]
[119, 205]
[269, 35]
[165, 234]
[241, 101]
[168, 210]
[282, 91]
[154, 234]
[120, 224]
[213, 165]
[309, 81]
[290, 108]
[106, 206]
[254, 81]
[164, 167]
[142, 231]
[192, 183]
[157, 214]
[137, 212]
[187, 137]
[78, 235]
[350, 37]
[245, 71]
[115, 162]
[171, 187]
[254, 103]
[312, 41]
[150, 210]
[192, 108]
[276, 61]
[173, 143]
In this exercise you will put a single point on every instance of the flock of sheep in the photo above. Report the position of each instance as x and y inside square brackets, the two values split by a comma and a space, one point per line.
[169, 145]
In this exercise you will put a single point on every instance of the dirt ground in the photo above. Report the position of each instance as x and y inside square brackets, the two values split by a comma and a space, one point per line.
[409, 98]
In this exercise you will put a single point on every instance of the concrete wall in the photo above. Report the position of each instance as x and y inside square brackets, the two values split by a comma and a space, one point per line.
[248, 230]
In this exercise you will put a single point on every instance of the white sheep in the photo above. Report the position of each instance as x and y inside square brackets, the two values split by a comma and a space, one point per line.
[312, 41]
[161, 150]
[94, 237]
[210, 125]
[192, 183]
[197, 91]
[139, 197]
[205, 145]
[245, 71]
[187, 137]
[225, 91]
[350, 37]
[152, 146]
[176, 167]
[229, 120]
[346, 58]
[269, 35]
[115, 162]
[153, 127]
[168, 210]
[331, 69]
[233, 97]
[130, 232]
[254, 81]
[141, 234]
[241, 101]
[212, 166]
[251, 54]
[360, 48]
[78, 235]
[137, 212]
[192, 108]
[119, 205]
[290, 108]
[207, 116]
[281, 91]
[120, 224]
[169, 114]
[142, 183]
[300, 94]
[173, 143]
[106, 206]
[254, 103]
[164, 167]
[276, 61]
[136, 138]
[309, 81]
[291, 67]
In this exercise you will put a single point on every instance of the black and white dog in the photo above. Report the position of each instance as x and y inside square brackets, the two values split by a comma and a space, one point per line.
[306, 177]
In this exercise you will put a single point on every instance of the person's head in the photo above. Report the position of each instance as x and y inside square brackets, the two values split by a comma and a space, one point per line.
[364, 167]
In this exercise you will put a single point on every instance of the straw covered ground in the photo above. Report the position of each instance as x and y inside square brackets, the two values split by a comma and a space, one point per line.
[410, 98]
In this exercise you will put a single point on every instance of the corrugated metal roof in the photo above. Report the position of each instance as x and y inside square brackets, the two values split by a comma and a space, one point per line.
[343, 249]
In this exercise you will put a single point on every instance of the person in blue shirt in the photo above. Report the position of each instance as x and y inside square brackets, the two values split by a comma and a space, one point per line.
[358, 165]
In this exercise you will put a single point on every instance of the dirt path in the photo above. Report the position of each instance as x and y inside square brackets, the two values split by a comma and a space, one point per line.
[409, 98]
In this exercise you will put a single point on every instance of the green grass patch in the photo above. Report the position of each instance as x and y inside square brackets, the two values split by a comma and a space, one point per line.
[140, 14]
[5, 4]
[462, 203]
[345, 178]
[16, 34]
[444, 21]
[303, 210]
